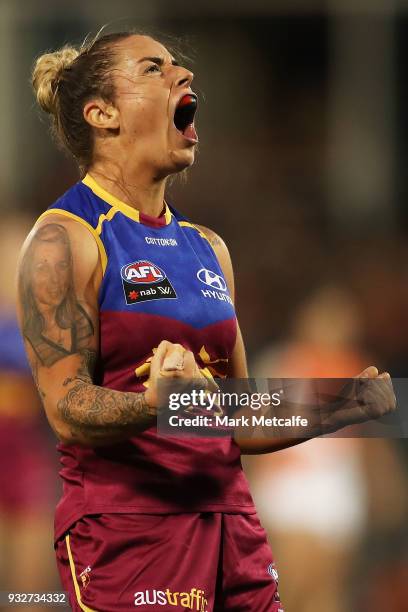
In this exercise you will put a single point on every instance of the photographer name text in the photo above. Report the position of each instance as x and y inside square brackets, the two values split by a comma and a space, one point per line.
[253, 420]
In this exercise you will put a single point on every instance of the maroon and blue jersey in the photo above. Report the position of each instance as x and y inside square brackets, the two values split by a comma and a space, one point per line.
[161, 281]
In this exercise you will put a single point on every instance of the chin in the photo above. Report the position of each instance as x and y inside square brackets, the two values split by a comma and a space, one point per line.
[181, 160]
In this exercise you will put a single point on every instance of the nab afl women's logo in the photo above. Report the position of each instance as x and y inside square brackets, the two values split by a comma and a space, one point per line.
[142, 272]
[142, 280]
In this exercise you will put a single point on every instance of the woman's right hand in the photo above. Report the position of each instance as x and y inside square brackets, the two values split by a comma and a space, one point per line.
[173, 361]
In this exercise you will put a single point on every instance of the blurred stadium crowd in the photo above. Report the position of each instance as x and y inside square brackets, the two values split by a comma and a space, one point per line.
[301, 168]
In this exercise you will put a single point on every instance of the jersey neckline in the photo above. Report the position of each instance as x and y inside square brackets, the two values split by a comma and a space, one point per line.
[134, 214]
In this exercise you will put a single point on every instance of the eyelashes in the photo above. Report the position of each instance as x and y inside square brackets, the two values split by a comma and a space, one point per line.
[152, 68]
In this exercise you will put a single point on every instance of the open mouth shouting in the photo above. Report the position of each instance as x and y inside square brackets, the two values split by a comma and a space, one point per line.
[184, 117]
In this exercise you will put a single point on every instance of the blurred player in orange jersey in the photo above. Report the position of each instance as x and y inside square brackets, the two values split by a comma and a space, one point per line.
[313, 497]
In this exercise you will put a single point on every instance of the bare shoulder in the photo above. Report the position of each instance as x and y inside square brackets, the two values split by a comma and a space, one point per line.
[223, 255]
[214, 239]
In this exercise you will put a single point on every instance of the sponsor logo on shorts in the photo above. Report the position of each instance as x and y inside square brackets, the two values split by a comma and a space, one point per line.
[143, 280]
[193, 600]
[85, 577]
[161, 241]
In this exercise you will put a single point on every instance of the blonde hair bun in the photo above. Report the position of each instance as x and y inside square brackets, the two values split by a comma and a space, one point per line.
[46, 72]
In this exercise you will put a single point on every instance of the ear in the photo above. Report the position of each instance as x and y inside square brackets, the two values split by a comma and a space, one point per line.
[101, 114]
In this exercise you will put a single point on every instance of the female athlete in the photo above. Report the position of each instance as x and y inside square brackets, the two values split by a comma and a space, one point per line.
[118, 290]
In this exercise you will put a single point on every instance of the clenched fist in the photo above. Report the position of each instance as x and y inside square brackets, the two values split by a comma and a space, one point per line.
[173, 361]
[370, 395]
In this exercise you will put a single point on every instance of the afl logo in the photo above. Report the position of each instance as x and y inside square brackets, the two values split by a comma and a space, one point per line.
[211, 279]
[142, 271]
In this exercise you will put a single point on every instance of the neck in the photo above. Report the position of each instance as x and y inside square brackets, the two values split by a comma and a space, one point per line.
[136, 187]
[48, 312]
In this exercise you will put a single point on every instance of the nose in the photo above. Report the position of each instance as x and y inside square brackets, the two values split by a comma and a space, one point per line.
[54, 278]
[184, 78]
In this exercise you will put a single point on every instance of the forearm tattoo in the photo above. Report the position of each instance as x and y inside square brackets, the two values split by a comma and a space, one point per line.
[96, 412]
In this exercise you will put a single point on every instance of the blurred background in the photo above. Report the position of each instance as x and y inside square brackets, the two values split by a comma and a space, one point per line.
[303, 132]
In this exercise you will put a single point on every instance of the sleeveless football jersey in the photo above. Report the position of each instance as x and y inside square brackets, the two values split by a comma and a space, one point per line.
[161, 281]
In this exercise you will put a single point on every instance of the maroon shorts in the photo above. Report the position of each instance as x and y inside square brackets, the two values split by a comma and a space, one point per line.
[208, 562]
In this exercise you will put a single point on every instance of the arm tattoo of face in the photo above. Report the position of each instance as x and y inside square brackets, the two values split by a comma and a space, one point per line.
[56, 325]
[54, 322]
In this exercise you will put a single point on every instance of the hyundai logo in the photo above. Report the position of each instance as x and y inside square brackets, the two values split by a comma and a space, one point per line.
[211, 279]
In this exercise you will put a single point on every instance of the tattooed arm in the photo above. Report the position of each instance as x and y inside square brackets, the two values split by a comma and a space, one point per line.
[59, 278]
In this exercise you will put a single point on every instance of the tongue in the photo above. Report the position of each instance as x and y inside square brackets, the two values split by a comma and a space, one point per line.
[190, 132]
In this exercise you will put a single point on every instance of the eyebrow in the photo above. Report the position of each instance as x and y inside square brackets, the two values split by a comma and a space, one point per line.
[157, 60]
